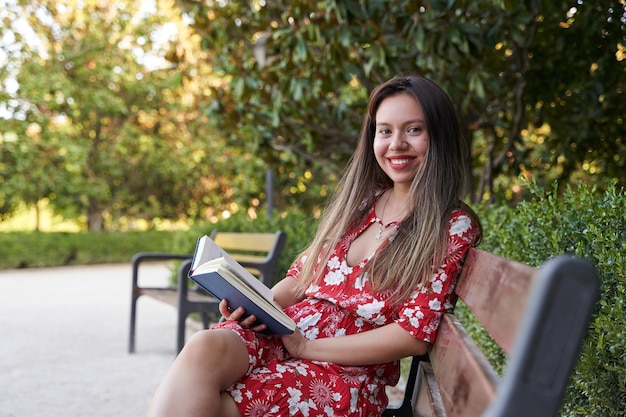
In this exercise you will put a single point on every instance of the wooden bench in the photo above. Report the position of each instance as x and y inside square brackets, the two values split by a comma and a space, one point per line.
[258, 252]
[538, 317]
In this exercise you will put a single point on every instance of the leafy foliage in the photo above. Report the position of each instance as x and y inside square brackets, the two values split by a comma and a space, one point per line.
[104, 134]
[101, 124]
[521, 93]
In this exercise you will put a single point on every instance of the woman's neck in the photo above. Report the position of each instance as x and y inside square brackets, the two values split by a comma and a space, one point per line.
[395, 205]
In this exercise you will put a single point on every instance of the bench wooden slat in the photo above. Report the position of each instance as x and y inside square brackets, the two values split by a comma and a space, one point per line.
[427, 401]
[495, 290]
[247, 258]
[168, 297]
[253, 242]
[538, 316]
[466, 381]
[171, 296]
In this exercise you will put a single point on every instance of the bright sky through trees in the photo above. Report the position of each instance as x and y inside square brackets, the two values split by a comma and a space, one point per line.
[19, 38]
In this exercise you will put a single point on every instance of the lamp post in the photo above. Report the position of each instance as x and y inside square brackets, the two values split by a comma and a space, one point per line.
[269, 190]
[259, 52]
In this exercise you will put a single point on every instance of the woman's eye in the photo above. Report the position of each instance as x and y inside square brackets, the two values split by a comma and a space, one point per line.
[384, 131]
[415, 129]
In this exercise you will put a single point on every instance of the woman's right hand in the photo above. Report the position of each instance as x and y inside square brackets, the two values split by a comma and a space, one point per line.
[239, 315]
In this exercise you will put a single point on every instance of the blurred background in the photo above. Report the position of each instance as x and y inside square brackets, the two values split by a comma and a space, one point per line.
[152, 114]
[133, 126]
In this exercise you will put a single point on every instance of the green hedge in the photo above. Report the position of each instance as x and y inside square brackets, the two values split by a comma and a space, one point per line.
[590, 224]
[37, 249]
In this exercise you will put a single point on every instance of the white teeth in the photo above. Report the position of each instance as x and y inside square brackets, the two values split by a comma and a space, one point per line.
[399, 161]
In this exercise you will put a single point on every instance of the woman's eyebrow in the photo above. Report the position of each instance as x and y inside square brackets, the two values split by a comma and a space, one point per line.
[406, 122]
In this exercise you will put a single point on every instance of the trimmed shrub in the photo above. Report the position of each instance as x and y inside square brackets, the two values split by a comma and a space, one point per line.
[41, 249]
[591, 224]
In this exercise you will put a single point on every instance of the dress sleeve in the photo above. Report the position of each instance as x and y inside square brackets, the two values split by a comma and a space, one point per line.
[296, 267]
[421, 314]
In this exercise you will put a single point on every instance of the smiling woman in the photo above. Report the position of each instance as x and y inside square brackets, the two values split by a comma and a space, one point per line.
[348, 289]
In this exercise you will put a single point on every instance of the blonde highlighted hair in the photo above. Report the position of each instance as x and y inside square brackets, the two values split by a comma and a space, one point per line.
[406, 263]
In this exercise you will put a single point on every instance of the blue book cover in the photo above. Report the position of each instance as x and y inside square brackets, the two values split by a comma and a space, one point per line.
[222, 280]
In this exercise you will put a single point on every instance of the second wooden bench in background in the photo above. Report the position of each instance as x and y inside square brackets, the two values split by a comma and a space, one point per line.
[258, 252]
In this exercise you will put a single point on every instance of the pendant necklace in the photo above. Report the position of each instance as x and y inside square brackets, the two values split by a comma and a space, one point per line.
[381, 226]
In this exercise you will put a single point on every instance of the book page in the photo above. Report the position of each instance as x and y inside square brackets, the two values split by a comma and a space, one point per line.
[207, 250]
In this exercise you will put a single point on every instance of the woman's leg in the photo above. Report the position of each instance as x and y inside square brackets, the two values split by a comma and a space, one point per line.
[208, 364]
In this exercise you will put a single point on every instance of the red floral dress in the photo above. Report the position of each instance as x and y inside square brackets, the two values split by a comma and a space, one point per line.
[342, 304]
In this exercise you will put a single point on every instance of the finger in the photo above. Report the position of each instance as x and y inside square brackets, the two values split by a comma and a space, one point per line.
[259, 328]
[224, 310]
[237, 314]
[249, 321]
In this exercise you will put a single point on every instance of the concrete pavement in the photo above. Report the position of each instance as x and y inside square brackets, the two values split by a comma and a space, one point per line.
[64, 336]
[64, 340]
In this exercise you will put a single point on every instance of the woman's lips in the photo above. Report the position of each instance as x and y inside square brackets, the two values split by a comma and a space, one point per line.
[399, 162]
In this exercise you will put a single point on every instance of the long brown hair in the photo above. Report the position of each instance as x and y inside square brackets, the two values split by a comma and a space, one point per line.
[437, 189]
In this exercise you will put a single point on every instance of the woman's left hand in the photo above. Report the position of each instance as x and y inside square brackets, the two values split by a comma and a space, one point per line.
[239, 315]
[295, 343]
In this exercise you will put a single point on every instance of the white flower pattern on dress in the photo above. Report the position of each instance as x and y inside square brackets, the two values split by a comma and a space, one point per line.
[369, 310]
[437, 286]
[434, 305]
[334, 277]
[461, 225]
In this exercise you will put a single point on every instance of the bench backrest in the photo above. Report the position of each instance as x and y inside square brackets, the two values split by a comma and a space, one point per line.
[257, 252]
[538, 317]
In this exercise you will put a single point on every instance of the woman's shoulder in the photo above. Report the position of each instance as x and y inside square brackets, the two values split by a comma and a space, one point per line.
[462, 209]
[464, 221]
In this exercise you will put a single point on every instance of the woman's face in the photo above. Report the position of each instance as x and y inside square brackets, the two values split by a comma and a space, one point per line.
[401, 138]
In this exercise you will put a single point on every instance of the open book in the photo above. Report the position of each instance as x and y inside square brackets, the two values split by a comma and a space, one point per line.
[223, 277]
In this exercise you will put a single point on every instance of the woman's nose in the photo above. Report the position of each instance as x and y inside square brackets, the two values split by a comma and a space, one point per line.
[397, 141]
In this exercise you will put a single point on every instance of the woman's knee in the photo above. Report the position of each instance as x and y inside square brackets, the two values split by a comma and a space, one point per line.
[219, 348]
[209, 343]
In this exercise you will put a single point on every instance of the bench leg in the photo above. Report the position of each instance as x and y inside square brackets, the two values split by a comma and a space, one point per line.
[180, 330]
[205, 320]
[183, 304]
[134, 295]
[133, 320]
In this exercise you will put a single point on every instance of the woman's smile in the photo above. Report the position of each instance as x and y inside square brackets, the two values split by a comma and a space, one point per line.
[401, 139]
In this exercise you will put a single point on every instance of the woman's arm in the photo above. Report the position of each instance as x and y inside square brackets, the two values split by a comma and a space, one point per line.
[285, 292]
[381, 345]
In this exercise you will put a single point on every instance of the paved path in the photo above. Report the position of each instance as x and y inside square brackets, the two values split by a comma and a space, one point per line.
[64, 336]
[64, 339]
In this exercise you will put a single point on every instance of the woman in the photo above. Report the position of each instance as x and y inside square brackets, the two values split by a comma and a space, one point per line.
[369, 290]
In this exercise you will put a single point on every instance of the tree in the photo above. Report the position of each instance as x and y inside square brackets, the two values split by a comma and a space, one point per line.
[578, 93]
[504, 63]
[101, 123]
[115, 136]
